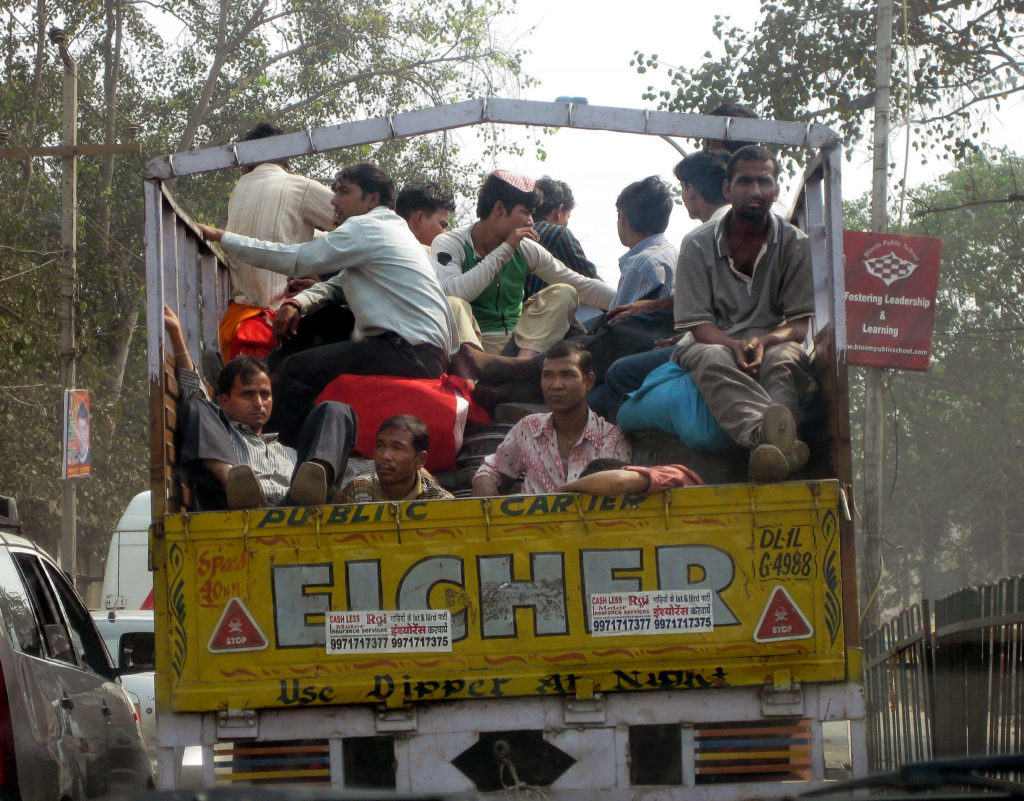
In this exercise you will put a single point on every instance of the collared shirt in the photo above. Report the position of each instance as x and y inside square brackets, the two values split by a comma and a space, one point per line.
[530, 451]
[647, 270]
[561, 243]
[272, 462]
[367, 488]
[386, 277]
[709, 289]
[450, 248]
[273, 204]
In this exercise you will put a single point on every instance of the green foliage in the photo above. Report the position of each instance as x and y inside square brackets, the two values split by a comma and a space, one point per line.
[190, 73]
[813, 60]
[955, 448]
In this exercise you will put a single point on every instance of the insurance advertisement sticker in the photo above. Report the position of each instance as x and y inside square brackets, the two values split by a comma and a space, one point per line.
[389, 631]
[658, 612]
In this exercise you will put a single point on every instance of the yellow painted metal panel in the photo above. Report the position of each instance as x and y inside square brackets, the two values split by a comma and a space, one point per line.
[526, 634]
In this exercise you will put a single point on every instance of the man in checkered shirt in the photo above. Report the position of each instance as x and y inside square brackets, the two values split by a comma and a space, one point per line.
[744, 298]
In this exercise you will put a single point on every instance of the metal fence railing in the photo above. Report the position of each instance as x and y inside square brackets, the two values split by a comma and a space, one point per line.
[948, 681]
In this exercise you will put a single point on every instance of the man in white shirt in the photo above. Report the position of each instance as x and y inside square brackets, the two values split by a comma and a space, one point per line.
[483, 268]
[268, 202]
[403, 323]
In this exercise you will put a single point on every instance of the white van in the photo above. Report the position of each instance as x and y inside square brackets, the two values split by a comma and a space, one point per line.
[127, 582]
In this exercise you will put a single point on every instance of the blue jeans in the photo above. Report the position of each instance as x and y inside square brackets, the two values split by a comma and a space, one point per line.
[624, 376]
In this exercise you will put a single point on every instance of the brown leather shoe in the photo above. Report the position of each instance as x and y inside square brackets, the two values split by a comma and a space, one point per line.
[309, 485]
[768, 464]
[243, 489]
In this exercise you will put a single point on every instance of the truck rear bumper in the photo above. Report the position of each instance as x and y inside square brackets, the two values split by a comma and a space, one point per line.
[716, 745]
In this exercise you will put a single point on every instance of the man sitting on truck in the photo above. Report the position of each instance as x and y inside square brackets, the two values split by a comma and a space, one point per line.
[701, 176]
[268, 202]
[643, 209]
[548, 450]
[551, 221]
[404, 325]
[228, 459]
[744, 298]
[427, 208]
[484, 266]
[399, 454]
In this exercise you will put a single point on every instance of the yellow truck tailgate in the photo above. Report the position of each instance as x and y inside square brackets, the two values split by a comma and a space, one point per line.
[397, 603]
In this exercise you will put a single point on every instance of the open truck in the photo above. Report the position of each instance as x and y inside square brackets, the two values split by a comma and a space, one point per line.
[688, 644]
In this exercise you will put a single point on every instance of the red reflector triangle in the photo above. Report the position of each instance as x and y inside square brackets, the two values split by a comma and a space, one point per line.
[782, 619]
[236, 630]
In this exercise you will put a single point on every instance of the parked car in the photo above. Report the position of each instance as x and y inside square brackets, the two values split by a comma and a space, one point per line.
[128, 636]
[68, 730]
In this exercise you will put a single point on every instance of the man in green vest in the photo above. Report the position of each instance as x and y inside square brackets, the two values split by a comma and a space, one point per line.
[483, 268]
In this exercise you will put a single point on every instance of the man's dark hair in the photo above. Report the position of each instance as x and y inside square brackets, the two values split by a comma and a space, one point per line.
[647, 205]
[571, 350]
[262, 131]
[369, 179]
[600, 465]
[734, 110]
[411, 425]
[244, 367]
[705, 171]
[426, 196]
[495, 189]
[752, 153]
[554, 194]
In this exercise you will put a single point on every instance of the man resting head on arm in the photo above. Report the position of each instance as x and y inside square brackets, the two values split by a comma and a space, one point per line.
[615, 477]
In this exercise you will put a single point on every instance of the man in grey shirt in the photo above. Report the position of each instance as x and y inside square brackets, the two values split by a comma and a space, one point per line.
[744, 297]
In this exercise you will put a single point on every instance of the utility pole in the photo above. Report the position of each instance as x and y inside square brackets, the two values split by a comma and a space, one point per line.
[874, 410]
[68, 285]
[69, 150]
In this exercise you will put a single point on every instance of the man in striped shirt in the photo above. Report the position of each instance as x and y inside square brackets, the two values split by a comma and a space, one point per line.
[224, 453]
[551, 224]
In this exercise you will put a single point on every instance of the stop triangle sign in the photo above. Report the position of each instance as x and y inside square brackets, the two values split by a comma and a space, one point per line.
[236, 630]
[782, 619]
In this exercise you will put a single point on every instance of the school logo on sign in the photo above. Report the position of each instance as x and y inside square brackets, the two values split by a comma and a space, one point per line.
[236, 631]
[782, 619]
[890, 268]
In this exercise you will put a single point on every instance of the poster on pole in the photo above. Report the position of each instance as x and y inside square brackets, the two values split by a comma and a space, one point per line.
[891, 281]
[77, 453]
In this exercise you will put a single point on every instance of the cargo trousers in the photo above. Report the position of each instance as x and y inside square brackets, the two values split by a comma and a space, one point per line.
[737, 400]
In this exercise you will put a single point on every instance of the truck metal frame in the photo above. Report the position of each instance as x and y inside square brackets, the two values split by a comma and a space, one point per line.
[771, 711]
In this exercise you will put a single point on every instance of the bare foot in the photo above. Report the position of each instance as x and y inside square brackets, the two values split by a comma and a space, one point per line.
[464, 363]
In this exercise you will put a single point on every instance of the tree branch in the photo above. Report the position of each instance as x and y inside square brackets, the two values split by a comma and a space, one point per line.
[1013, 197]
[963, 106]
[349, 79]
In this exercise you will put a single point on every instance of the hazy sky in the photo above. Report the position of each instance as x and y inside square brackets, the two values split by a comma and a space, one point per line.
[583, 48]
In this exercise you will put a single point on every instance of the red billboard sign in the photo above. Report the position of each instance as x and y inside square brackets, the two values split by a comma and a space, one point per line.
[891, 282]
